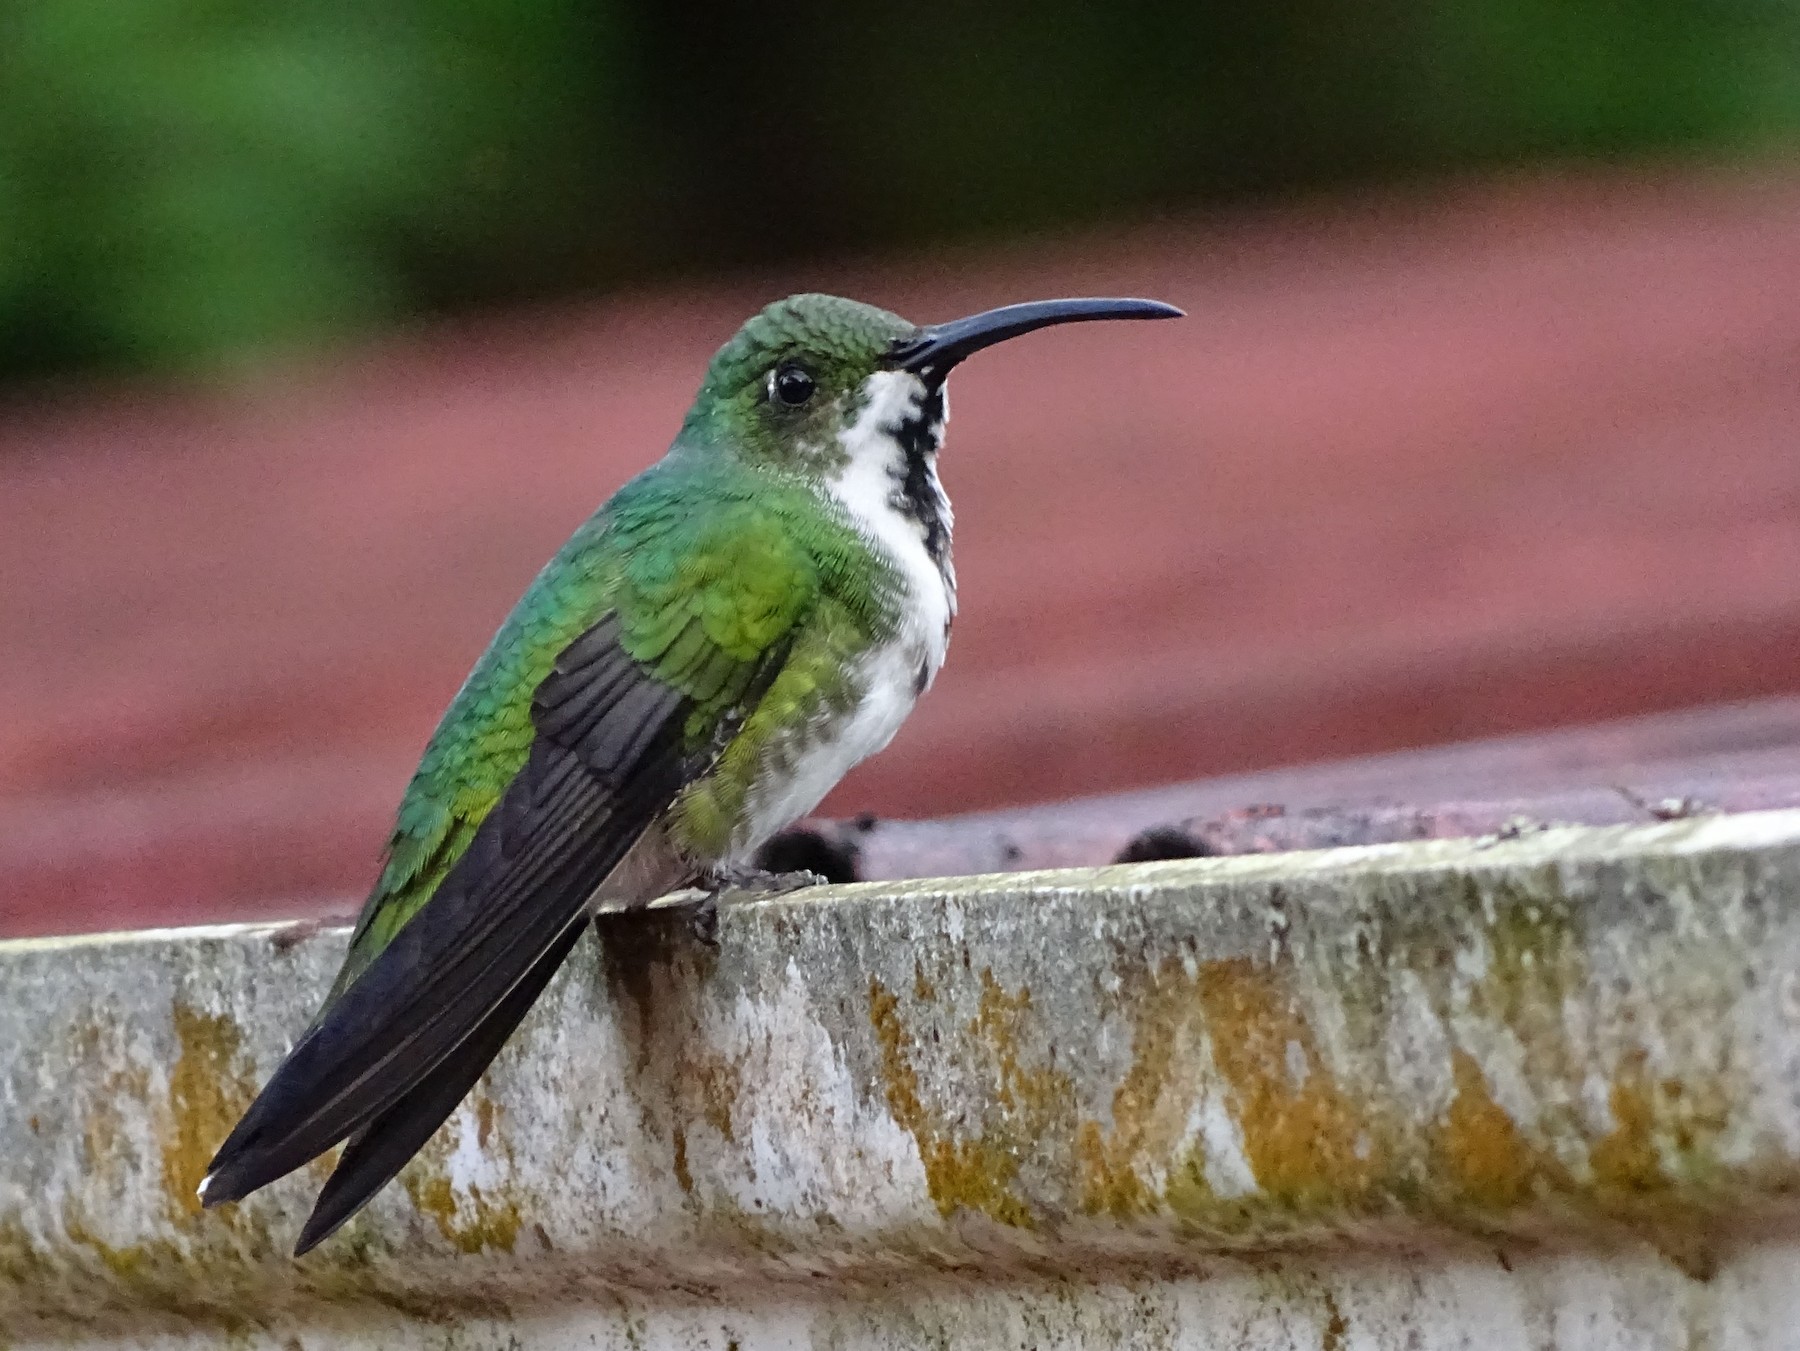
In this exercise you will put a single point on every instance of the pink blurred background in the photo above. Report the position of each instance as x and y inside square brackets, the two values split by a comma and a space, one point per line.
[1418, 467]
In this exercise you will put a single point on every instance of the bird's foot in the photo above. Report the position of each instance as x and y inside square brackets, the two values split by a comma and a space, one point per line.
[759, 882]
[703, 919]
[724, 878]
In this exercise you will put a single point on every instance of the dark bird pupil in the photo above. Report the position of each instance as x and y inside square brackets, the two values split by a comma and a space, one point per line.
[793, 386]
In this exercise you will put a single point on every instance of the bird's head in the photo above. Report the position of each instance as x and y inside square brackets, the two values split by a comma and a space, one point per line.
[815, 381]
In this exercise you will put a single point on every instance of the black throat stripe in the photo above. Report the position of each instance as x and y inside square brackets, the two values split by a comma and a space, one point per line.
[919, 496]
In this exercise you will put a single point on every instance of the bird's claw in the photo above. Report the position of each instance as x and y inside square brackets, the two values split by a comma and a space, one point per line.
[780, 884]
[759, 882]
[704, 919]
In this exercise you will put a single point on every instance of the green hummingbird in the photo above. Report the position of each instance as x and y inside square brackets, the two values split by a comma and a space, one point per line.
[704, 659]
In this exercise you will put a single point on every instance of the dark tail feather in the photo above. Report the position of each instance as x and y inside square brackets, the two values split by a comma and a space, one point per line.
[381, 1149]
[597, 775]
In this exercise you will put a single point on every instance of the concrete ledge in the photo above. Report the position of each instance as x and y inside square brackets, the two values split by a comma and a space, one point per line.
[1530, 1091]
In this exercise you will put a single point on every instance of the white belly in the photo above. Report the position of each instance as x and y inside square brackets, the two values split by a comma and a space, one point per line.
[889, 678]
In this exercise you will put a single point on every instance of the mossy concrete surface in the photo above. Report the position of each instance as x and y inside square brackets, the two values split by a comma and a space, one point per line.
[1528, 1091]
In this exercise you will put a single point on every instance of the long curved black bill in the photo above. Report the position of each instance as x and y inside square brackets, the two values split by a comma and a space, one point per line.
[933, 351]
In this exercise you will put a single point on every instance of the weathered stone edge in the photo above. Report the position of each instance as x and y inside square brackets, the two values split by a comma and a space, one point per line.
[1568, 1035]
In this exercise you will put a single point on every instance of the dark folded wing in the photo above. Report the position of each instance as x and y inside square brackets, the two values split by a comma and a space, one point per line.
[380, 1149]
[607, 759]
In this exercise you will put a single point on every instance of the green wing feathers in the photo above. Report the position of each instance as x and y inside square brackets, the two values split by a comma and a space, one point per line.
[650, 673]
[705, 599]
[704, 606]
[480, 744]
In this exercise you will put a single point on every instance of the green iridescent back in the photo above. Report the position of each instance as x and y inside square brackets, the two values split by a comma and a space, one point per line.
[709, 563]
[718, 554]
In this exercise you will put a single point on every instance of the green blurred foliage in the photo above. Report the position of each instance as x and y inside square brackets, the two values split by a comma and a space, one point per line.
[189, 182]
[182, 181]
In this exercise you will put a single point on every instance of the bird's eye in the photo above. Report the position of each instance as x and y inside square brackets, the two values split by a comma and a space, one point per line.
[791, 384]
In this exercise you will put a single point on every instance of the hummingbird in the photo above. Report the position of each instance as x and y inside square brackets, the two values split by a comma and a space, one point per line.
[706, 656]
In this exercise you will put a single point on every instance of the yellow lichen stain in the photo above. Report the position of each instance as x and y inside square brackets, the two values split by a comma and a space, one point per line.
[481, 1223]
[1033, 1092]
[754, 1227]
[1665, 1132]
[22, 1262]
[718, 1083]
[682, 1175]
[923, 990]
[209, 1089]
[976, 1171]
[157, 1274]
[1192, 1037]
[1663, 1135]
[110, 1155]
[896, 1069]
[479, 1218]
[1306, 1142]
[1485, 1157]
[1630, 1183]
[1662, 1140]
[974, 1175]
[107, 1148]
[1625, 1160]
[1191, 1197]
[1534, 964]
[125, 1263]
[1150, 1107]
[698, 1087]
[1108, 1183]
[102, 1131]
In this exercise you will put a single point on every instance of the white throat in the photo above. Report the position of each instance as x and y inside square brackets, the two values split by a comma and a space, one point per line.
[889, 488]
[889, 482]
